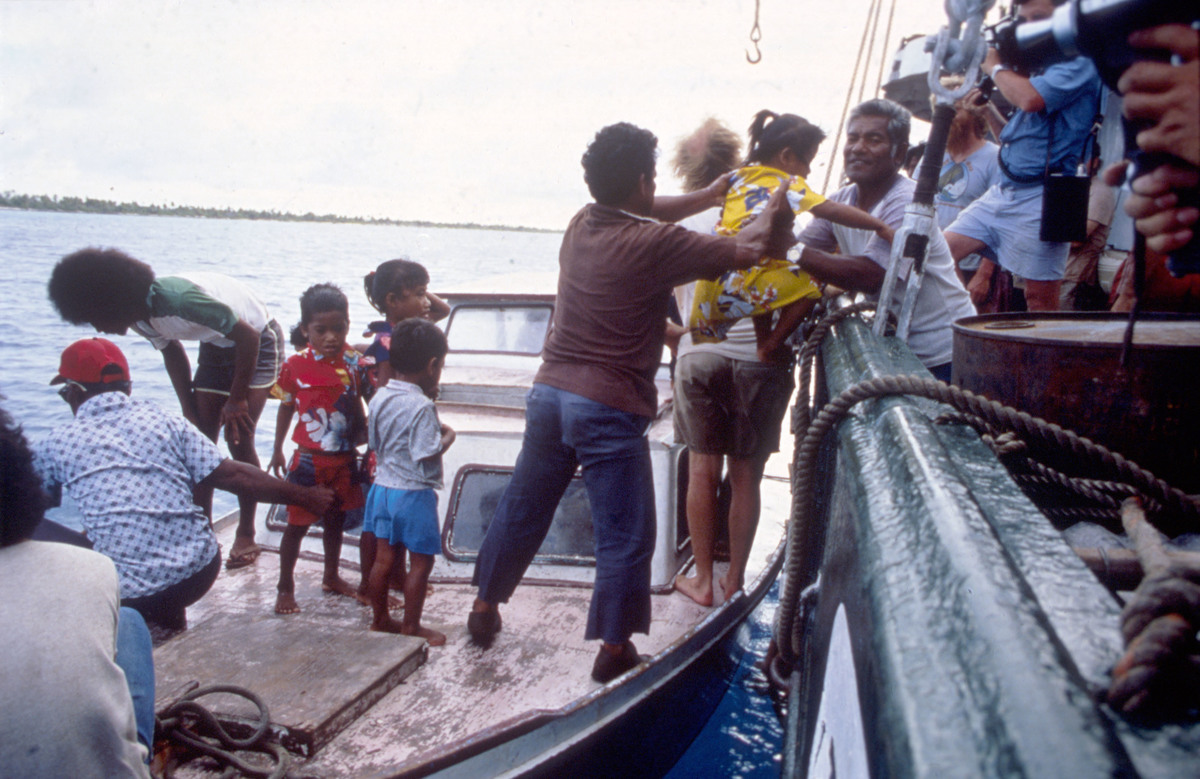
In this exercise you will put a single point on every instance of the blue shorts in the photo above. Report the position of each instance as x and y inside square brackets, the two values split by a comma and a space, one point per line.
[1008, 220]
[405, 518]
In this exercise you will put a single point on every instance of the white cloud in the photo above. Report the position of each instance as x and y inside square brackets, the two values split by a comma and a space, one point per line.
[464, 111]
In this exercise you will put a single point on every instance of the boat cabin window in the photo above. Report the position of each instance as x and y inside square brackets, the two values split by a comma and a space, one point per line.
[473, 498]
[512, 329]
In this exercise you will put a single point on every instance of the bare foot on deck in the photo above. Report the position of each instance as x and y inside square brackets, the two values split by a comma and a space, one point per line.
[286, 604]
[432, 636]
[339, 587]
[387, 626]
[730, 587]
[701, 592]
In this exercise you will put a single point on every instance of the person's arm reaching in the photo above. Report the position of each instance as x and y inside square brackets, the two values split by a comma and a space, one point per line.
[672, 208]
[849, 216]
[860, 274]
[242, 479]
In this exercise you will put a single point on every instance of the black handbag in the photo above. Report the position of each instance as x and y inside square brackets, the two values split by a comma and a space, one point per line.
[1064, 207]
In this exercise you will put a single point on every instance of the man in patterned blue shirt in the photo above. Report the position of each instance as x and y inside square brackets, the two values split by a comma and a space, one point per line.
[131, 468]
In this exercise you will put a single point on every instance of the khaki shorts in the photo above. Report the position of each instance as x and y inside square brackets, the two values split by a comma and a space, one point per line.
[730, 407]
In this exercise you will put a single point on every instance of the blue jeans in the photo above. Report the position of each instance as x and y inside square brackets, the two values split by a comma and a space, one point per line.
[135, 657]
[564, 430]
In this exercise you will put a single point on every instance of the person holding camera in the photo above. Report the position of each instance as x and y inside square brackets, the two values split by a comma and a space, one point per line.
[1056, 110]
[1166, 97]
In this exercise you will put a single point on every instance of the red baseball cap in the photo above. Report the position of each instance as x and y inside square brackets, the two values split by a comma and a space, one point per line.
[92, 361]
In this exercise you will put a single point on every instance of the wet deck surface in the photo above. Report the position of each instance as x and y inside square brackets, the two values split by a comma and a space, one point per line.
[311, 665]
[325, 658]
[315, 678]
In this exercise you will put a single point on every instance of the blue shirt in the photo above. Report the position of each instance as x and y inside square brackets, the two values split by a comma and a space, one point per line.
[1071, 90]
[406, 437]
[130, 466]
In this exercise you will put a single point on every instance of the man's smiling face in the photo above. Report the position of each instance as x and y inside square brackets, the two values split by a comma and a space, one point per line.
[868, 153]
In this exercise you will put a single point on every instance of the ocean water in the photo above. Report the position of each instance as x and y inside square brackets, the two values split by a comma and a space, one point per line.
[279, 260]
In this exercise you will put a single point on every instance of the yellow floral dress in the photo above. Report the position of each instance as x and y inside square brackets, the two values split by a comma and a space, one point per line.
[768, 285]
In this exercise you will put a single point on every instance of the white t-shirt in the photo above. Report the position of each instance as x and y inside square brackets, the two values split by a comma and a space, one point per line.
[942, 299]
[740, 342]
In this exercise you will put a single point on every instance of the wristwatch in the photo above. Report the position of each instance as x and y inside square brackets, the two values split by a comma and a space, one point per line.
[999, 67]
[793, 254]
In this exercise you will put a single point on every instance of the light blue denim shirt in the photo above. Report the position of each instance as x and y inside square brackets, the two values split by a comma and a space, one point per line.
[1071, 91]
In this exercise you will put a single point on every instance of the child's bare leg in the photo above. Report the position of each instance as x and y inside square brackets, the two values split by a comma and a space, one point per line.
[773, 347]
[332, 581]
[377, 590]
[289, 551]
[399, 571]
[366, 561]
[414, 599]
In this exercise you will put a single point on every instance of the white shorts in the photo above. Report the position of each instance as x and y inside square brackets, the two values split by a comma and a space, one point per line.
[1008, 220]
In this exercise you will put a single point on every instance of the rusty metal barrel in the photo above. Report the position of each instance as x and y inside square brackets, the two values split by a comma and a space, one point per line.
[1066, 368]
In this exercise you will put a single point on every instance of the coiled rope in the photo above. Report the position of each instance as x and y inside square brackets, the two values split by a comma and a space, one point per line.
[188, 723]
[1159, 673]
[801, 540]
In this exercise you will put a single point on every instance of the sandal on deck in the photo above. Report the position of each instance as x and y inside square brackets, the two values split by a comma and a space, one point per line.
[242, 559]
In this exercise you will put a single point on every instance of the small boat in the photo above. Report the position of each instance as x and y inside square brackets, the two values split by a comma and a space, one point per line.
[349, 702]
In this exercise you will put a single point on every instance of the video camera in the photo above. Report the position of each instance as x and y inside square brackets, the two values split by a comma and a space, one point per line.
[1099, 30]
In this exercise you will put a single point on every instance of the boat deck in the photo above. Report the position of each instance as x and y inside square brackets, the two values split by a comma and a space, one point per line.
[537, 664]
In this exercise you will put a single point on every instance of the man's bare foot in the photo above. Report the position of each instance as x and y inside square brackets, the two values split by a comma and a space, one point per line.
[286, 604]
[730, 587]
[432, 636]
[339, 586]
[389, 625]
[699, 591]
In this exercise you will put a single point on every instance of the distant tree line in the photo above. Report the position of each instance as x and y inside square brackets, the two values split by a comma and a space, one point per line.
[88, 205]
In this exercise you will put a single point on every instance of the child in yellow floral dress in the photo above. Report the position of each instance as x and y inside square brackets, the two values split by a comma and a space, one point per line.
[782, 147]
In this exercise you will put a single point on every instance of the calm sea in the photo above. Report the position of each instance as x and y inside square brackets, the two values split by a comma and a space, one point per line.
[279, 260]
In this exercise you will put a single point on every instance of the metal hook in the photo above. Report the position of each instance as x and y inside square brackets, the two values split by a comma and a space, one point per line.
[755, 37]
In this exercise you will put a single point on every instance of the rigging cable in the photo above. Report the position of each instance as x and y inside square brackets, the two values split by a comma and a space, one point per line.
[837, 138]
[873, 23]
[887, 35]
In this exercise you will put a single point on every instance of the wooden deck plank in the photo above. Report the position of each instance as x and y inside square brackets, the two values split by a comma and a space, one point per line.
[316, 671]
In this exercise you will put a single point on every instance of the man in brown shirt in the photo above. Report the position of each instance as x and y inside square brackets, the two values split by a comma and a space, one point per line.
[594, 395]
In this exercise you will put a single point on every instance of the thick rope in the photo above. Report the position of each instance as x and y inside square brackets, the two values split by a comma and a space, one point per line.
[801, 543]
[187, 722]
[1159, 674]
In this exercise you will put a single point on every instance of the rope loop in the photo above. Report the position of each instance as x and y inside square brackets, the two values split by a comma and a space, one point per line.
[189, 723]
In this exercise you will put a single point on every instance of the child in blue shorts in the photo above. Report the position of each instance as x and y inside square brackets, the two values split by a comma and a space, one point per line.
[408, 441]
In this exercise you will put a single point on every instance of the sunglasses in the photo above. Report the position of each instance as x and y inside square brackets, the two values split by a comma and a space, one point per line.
[66, 389]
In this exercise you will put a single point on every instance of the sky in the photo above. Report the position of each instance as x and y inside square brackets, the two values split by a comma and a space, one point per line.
[443, 111]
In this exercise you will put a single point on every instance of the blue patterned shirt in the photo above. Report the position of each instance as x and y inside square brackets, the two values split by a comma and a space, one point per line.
[130, 466]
